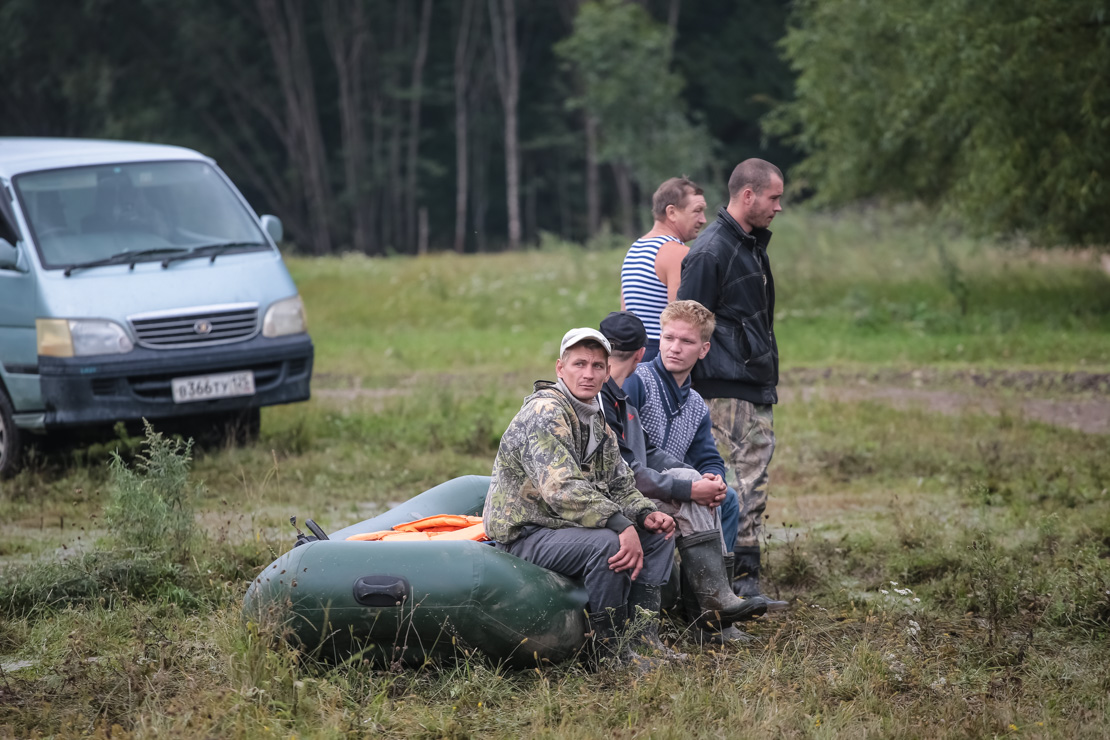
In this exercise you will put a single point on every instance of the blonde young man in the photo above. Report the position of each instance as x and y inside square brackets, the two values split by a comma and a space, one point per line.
[653, 266]
[678, 489]
[676, 419]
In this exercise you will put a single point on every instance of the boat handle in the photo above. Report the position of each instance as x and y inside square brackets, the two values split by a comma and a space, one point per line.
[381, 590]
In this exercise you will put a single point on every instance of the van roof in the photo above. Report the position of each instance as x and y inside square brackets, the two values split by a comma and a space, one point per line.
[26, 154]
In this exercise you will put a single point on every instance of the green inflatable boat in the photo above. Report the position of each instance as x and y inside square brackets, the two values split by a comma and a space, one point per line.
[410, 602]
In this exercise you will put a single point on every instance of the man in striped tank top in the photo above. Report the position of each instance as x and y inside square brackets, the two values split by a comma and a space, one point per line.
[653, 266]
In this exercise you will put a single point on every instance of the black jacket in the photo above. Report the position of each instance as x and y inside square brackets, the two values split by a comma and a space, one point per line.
[728, 272]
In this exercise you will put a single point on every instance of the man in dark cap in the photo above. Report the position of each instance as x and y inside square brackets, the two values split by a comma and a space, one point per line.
[677, 489]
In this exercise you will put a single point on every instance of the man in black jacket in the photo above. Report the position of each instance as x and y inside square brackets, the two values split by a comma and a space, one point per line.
[728, 272]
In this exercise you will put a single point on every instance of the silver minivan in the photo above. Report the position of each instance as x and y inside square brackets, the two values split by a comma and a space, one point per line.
[137, 282]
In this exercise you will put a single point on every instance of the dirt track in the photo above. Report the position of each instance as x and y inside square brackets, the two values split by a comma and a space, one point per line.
[1090, 416]
[1079, 401]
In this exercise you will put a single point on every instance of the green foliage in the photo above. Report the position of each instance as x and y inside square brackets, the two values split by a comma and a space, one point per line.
[150, 507]
[999, 110]
[623, 59]
[421, 363]
[735, 76]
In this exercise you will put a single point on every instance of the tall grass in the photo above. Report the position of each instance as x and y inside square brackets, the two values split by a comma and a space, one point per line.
[948, 574]
[852, 289]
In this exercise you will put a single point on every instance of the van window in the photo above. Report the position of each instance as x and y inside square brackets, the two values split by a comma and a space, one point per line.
[89, 213]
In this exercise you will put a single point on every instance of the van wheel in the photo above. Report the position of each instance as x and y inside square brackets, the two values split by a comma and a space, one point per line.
[242, 427]
[230, 429]
[11, 438]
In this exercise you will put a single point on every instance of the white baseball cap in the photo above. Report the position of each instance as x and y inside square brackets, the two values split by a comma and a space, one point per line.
[574, 336]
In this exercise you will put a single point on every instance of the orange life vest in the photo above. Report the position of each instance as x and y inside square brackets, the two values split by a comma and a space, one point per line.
[439, 527]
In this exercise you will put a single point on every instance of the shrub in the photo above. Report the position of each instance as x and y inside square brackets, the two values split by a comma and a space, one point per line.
[150, 506]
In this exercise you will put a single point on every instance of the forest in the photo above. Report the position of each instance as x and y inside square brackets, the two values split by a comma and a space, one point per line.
[386, 127]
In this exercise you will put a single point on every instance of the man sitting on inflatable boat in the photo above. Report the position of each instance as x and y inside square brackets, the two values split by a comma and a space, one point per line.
[563, 498]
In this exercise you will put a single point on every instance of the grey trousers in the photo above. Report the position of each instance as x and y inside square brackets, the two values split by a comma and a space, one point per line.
[581, 552]
[688, 516]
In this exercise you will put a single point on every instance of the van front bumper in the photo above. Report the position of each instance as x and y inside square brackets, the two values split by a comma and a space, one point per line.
[79, 391]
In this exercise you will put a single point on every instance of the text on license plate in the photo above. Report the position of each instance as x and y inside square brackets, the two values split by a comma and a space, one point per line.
[204, 387]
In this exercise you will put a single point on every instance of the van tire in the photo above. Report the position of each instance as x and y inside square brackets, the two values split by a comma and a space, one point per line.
[11, 439]
[241, 428]
[218, 431]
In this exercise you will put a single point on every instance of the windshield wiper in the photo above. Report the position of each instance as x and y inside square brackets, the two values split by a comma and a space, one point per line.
[130, 256]
[215, 250]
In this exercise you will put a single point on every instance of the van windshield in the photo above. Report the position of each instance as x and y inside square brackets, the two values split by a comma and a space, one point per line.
[151, 209]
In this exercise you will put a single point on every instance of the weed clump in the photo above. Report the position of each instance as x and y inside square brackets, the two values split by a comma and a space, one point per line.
[149, 515]
[151, 505]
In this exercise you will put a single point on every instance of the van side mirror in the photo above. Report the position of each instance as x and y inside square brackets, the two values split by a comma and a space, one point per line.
[9, 255]
[9, 230]
[273, 227]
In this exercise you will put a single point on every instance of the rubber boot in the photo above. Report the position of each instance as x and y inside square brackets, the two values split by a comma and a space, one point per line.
[643, 629]
[706, 629]
[703, 570]
[609, 648]
[746, 583]
[730, 632]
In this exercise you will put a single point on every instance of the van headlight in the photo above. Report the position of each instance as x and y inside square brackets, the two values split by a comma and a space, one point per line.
[285, 317]
[80, 337]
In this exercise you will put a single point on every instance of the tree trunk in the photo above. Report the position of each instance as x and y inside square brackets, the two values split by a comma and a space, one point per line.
[530, 221]
[284, 30]
[625, 197]
[502, 14]
[415, 94]
[377, 156]
[464, 59]
[346, 34]
[392, 188]
[422, 231]
[672, 20]
[593, 180]
[480, 202]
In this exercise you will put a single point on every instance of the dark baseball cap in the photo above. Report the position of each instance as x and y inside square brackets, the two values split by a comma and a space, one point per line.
[624, 330]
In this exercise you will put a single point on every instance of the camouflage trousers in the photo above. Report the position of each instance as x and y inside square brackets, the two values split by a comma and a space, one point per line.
[747, 432]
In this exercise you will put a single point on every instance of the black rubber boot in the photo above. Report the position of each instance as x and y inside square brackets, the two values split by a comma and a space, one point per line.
[704, 579]
[610, 648]
[746, 583]
[706, 629]
[729, 633]
[644, 629]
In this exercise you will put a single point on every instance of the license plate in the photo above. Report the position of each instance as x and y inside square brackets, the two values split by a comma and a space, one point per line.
[205, 387]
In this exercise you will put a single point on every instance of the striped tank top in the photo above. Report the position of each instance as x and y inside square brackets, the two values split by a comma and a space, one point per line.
[644, 294]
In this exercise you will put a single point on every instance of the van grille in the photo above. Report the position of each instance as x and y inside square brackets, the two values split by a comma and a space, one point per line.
[198, 328]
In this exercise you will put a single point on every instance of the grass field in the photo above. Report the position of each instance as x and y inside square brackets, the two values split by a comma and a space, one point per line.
[949, 572]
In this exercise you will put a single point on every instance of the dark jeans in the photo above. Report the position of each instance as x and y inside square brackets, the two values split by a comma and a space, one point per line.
[730, 517]
[580, 552]
[651, 350]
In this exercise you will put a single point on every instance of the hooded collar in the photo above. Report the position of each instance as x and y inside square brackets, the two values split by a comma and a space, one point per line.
[586, 413]
[674, 395]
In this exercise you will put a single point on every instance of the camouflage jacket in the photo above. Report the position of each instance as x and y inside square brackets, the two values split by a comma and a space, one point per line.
[540, 478]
